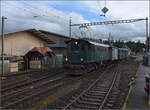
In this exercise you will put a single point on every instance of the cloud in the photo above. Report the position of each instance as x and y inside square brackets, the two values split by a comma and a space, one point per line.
[42, 15]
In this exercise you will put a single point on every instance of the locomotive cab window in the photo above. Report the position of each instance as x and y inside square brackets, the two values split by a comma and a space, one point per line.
[75, 46]
[89, 46]
[69, 46]
[82, 47]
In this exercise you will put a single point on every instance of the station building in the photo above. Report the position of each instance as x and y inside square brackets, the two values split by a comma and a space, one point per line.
[19, 43]
[60, 47]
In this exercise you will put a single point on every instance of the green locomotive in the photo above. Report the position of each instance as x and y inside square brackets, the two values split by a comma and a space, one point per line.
[84, 55]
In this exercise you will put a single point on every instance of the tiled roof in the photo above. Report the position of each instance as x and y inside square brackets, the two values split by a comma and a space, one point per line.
[51, 33]
[41, 35]
[41, 50]
[38, 34]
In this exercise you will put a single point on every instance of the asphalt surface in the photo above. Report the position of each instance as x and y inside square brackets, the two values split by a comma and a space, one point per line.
[138, 99]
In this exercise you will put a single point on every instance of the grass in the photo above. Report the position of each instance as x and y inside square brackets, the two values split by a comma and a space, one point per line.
[55, 96]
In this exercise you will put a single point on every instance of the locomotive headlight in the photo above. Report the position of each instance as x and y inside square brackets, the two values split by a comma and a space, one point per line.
[66, 59]
[81, 59]
[76, 43]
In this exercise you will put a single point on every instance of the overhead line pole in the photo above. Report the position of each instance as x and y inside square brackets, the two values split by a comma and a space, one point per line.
[148, 46]
[105, 23]
[108, 22]
[70, 27]
[112, 22]
[3, 18]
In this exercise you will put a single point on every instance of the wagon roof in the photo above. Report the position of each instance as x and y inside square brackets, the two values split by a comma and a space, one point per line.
[41, 50]
[99, 44]
[75, 40]
[123, 49]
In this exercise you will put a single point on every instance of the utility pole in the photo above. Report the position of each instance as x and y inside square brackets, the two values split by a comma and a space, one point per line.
[148, 46]
[3, 18]
[70, 27]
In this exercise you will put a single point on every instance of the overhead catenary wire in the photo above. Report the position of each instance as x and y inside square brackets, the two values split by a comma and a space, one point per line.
[34, 12]
[31, 12]
[105, 3]
[36, 8]
[23, 9]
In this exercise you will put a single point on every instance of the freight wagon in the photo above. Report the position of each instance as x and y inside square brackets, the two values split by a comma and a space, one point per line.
[122, 53]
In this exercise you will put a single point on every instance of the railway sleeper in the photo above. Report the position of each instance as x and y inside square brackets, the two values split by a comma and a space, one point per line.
[117, 103]
[109, 105]
[111, 108]
[91, 99]
[88, 103]
[111, 101]
[97, 92]
[112, 97]
[100, 89]
[94, 96]
[102, 85]
[108, 108]
[117, 106]
[81, 106]
[115, 92]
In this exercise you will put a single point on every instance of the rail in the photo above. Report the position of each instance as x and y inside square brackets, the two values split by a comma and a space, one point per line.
[88, 89]
[111, 86]
[29, 90]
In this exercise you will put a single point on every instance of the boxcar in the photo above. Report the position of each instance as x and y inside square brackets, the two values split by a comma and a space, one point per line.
[122, 53]
[114, 53]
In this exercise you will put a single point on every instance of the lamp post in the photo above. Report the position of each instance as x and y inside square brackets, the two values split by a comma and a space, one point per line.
[3, 18]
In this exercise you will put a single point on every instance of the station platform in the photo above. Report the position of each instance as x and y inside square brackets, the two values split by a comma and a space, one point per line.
[138, 99]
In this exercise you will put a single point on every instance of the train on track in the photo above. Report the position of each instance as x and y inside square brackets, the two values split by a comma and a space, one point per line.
[85, 55]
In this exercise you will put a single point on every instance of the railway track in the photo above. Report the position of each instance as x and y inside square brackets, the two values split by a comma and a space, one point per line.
[20, 98]
[7, 88]
[15, 78]
[98, 94]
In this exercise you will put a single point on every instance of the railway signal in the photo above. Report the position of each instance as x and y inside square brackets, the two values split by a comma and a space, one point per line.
[105, 10]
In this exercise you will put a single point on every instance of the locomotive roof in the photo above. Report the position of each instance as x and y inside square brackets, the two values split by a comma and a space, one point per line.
[91, 42]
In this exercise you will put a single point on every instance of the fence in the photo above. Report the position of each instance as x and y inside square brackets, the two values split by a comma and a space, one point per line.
[57, 62]
[146, 59]
[54, 62]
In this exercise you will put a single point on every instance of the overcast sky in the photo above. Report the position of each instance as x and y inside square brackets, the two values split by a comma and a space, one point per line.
[53, 16]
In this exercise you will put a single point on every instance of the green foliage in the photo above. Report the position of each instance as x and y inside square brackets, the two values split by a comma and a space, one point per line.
[134, 46]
